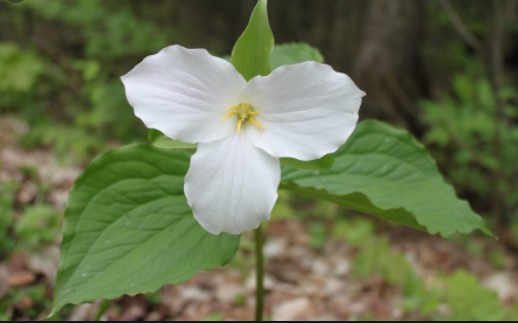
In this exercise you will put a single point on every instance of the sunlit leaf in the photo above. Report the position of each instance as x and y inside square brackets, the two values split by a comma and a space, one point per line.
[385, 172]
[128, 228]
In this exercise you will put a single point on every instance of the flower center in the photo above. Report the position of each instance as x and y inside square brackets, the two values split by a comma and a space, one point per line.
[243, 112]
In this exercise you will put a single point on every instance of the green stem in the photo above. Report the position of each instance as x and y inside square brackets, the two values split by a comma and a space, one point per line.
[259, 275]
[102, 308]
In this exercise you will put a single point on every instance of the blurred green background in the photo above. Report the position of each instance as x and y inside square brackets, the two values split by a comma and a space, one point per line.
[445, 71]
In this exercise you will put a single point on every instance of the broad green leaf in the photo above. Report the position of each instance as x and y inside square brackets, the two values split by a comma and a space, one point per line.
[323, 163]
[251, 53]
[129, 230]
[385, 172]
[159, 140]
[294, 53]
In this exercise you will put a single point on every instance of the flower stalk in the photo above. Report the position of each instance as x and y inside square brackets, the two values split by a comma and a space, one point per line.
[259, 274]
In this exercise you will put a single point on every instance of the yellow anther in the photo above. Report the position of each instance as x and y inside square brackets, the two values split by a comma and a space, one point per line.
[243, 112]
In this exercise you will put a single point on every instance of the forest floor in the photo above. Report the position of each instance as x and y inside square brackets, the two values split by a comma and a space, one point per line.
[316, 269]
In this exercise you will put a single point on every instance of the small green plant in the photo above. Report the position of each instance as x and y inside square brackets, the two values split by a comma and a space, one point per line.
[65, 141]
[7, 196]
[480, 153]
[38, 225]
[356, 232]
[20, 70]
[377, 258]
[457, 296]
[468, 300]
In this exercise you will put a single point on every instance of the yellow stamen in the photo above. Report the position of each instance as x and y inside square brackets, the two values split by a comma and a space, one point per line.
[239, 122]
[256, 123]
[229, 114]
[243, 112]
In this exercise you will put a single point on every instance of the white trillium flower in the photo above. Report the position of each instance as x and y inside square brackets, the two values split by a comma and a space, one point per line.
[302, 111]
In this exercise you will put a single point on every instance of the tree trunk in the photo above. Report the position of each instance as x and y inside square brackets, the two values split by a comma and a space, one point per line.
[387, 65]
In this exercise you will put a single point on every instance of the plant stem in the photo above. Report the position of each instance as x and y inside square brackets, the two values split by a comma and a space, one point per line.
[259, 274]
[102, 309]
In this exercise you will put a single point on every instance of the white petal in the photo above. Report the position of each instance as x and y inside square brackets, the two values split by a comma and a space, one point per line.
[307, 109]
[183, 93]
[231, 185]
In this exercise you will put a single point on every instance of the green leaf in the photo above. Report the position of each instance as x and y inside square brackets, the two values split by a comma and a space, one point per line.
[385, 172]
[129, 230]
[251, 53]
[294, 53]
[159, 140]
[468, 300]
[19, 68]
[323, 163]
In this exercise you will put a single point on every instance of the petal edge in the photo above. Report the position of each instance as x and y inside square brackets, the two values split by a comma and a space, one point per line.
[308, 110]
[231, 186]
[183, 93]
